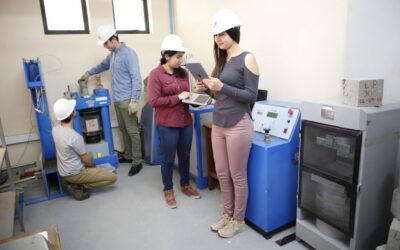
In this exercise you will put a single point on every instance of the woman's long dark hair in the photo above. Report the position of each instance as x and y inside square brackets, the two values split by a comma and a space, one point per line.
[179, 72]
[221, 55]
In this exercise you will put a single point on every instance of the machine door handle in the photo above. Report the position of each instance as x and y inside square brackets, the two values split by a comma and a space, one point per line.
[296, 156]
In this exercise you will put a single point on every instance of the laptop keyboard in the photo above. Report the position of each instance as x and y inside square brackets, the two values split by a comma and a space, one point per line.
[201, 99]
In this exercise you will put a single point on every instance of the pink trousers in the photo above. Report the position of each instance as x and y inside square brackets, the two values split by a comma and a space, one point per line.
[231, 148]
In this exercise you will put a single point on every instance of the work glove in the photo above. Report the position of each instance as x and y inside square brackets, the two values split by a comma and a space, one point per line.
[98, 81]
[83, 83]
[84, 79]
[133, 107]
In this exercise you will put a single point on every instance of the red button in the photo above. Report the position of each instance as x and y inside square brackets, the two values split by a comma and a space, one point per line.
[284, 130]
[290, 112]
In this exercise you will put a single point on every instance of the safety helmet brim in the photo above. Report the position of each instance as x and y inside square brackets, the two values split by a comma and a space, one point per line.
[179, 49]
[104, 33]
[102, 41]
[172, 43]
[221, 30]
[224, 20]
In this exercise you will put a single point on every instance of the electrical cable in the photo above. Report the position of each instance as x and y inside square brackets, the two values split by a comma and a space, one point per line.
[40, 98]
[50, 70]
[29, 137]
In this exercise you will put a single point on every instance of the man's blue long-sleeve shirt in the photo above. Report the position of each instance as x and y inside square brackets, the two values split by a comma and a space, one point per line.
[126, 82]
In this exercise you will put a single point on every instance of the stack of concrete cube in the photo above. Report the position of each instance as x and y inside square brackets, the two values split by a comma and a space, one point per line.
[393, 241]
[362, 92]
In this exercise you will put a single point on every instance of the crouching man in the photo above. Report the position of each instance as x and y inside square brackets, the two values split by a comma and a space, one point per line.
[74, 163]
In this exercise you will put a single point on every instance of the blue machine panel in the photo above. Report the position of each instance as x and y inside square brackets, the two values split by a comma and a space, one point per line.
[198, 164]
[99, 100]
[272, 179]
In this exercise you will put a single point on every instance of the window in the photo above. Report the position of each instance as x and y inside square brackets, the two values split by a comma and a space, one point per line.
[64, 16]
[131, 16]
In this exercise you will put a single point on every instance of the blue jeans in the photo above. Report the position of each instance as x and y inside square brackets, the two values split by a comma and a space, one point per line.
[174, 140]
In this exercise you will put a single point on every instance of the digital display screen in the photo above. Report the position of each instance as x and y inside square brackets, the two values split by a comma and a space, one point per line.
[272, 114]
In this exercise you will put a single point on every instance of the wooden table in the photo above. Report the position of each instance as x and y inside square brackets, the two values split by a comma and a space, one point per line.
[51, 230]
[7, 206]
[7, 209]
[211, 173]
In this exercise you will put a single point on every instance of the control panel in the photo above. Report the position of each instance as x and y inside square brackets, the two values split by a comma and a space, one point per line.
[276, 120]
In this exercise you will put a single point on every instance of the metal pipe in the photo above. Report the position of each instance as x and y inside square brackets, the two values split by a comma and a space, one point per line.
[23, 165]
[171, 16]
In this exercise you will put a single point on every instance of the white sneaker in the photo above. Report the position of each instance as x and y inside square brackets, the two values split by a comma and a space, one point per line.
[231, 229]
[223, 220]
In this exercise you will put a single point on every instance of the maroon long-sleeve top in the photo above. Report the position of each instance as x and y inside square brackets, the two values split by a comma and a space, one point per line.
[163, 90]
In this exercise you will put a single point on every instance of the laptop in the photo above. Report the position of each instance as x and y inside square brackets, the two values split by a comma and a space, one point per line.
[199, 74]
[198, 99]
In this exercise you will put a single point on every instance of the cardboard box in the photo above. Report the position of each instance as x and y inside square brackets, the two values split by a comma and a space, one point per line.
[393, 241]
[382, 247]
[362, 93]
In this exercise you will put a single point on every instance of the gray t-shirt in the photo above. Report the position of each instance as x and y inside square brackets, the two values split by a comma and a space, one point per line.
[239, 91]
[69, 147]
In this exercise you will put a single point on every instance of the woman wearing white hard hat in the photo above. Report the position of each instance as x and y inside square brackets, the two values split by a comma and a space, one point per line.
[168, 85]
[235, 82]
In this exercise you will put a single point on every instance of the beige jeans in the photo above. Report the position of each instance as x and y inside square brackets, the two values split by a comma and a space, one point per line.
[231, 149]
[128, 124]
[92, 178]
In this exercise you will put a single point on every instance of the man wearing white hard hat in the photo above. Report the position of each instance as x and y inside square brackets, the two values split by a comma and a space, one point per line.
[235, 83]
[126, 84]
[74, 163]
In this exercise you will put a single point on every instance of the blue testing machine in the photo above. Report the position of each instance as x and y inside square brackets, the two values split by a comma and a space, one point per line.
[272, 167]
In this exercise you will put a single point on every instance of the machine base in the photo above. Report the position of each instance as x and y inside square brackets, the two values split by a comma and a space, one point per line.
[268, 235]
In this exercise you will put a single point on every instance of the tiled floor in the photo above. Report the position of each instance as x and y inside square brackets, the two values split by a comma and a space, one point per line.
[132, 215]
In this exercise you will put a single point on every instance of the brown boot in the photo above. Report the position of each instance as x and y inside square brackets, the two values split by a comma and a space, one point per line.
[191, 192]
[81, 194]
[170, 198]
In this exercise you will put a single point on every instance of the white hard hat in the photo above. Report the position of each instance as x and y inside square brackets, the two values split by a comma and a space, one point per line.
[104, 32]
[63, 108]
[174, 43]
[224, 19]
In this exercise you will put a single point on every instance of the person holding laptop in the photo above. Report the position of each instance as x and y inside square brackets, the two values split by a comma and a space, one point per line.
[235, 82]
[168, 85]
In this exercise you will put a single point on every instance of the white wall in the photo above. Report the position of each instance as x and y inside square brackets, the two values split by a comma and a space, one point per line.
[301, 48]
[299, 45]
[64, 58]
[373, 45]
[305, 48]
